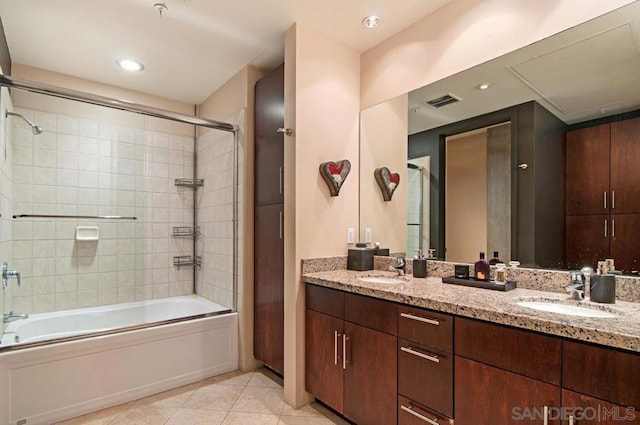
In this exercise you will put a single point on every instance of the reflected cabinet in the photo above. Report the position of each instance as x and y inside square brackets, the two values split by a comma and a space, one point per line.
[602, 196]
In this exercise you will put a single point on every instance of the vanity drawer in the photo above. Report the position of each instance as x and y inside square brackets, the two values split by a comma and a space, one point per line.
[426, 327]
[601, 372]
[426, 376]
[325, 300]
[527, 353]
[411, 413]
[372, 313]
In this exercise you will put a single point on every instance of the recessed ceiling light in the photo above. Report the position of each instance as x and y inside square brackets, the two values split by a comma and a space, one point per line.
[484, 86]
[130, 65]
[371, 21]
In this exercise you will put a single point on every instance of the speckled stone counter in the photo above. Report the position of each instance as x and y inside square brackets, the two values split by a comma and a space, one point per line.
[622, 331]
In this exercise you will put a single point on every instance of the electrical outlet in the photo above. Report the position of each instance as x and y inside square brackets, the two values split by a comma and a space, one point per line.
[351, 235]
[367, 235]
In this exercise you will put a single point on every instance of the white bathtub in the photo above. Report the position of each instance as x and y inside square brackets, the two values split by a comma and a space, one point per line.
[95, 367]
[63, 324]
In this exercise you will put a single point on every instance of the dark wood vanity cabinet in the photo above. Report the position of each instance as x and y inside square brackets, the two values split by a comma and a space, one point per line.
[268, 321]
[504, 375]
[602, 197]
[581, 409]
[605, 373]
[351, 354]
[377, 362]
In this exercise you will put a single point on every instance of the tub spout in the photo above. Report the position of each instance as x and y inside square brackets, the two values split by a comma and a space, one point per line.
[12, 317]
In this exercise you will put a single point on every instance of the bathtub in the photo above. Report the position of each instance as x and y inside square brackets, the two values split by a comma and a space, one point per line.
[70, 323]
[110, 355]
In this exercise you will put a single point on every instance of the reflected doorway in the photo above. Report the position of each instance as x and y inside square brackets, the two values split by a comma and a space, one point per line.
[478, 193]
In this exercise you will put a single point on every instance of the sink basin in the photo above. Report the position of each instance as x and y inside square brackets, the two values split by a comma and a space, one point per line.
[571, 310]
[380, 279]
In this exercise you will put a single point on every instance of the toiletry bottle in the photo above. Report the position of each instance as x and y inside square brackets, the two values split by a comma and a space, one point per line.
[501, 273]
[419, 265]
[495, 260]
[481, 269]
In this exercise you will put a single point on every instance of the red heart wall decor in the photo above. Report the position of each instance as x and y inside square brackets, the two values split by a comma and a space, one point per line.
[387, 181]
[334, 174]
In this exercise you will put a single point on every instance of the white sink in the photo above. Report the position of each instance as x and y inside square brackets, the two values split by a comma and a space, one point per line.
[380, 279]
[571, 310]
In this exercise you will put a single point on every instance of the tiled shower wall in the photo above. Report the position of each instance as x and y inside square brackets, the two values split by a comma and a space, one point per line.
[99, 163]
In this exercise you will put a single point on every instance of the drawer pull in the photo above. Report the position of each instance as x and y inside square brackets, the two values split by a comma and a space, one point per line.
[418, 415]
[545, 411]
[335, 348]
[410, 350]
[420, 319]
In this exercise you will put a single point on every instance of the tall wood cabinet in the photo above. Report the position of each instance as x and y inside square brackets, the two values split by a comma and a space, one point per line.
[602, 197]
[269, 221]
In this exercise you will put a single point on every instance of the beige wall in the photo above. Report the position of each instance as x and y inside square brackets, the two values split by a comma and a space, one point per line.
[234, 103]
[466, 197]
[383, 143]
[463, 34]
[322, 97]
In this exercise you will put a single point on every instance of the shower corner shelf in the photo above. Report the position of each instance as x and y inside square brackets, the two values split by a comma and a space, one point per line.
[188, 231]
[190, 183]
[187, 261]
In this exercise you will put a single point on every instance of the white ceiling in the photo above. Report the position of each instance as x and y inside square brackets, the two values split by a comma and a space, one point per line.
[195, 47]
[586, 72]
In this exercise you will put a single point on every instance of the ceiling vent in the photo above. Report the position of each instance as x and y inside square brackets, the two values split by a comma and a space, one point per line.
[443, 100]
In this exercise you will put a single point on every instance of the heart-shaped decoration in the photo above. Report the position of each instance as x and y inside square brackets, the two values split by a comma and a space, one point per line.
[334, 174]
[387, 181]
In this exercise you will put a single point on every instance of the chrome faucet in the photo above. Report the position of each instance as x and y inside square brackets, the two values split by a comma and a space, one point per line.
[578, 287]
[399, 266]
[6, 274]
[12, 317]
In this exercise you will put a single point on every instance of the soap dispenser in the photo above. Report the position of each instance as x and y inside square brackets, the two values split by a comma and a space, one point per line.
[481, 269]
[419, 265]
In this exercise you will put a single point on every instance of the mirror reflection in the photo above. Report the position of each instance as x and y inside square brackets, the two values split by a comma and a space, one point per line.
[517, 155]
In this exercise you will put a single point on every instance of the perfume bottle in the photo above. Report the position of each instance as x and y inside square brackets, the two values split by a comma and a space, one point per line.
[495, 260]
[481, 269]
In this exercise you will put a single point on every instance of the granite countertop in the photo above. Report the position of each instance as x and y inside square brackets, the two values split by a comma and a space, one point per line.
[622, 331]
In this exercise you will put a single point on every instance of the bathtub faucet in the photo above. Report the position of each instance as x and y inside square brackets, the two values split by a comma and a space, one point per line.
[6, 274]
[12, 317]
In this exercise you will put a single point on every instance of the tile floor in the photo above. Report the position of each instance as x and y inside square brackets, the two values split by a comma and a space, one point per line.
[236, 398]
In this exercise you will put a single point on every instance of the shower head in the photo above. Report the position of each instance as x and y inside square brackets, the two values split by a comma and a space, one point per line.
[34, 128]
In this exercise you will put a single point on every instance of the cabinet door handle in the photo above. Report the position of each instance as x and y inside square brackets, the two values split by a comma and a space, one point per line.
[429, 357]
[420, 319]
[281, 177]
[605, 199]
[281, 224]
[418, 415]
[335, 347]
[344, 351]
[613, 228]
[605, 228]
[571, 421]
[613, 199]
[545, 412]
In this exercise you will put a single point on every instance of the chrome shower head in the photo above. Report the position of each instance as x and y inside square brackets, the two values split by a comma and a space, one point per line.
[35, 129]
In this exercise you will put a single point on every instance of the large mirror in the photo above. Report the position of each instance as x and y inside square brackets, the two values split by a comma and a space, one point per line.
[499, 157]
